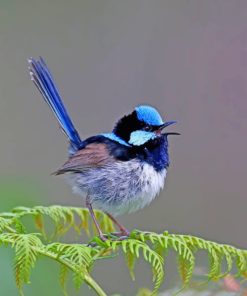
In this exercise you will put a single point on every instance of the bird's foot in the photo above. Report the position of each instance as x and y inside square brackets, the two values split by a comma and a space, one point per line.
[123, 237]
[121, 233]
[114, 236]
[124, 231]
[103, 237]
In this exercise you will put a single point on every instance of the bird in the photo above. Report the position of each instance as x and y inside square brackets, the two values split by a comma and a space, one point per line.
[118, 172]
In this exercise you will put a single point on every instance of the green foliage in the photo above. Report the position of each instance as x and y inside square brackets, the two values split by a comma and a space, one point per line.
[79, 259]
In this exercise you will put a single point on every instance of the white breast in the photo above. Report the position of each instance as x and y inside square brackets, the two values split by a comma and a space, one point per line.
[152, 182]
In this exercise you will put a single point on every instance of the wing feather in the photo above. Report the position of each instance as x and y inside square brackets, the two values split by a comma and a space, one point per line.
[93, 155]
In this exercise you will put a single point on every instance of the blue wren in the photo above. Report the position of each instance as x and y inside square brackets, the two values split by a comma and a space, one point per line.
[118, 172]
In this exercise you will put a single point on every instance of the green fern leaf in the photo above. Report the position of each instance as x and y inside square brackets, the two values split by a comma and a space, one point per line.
[79, 256]
[130, 261]
[63, 276]
[25, 254]
[5, 223]
[134, 246]
[64, 218]
[162, 242]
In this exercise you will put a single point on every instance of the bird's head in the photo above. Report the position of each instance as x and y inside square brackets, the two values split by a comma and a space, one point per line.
[141, 126]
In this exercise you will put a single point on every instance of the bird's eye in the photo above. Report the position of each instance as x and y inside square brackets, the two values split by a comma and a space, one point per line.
[147, 128]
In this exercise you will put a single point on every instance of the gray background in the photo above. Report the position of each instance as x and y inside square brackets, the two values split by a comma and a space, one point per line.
[187, 58]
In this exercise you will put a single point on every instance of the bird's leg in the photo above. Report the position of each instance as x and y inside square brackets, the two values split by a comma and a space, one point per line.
[90, 208]
[123, 231]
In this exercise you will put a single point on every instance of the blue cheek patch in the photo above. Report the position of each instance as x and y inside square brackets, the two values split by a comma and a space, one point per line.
[115, 138]
[139, 138]
[149, 115]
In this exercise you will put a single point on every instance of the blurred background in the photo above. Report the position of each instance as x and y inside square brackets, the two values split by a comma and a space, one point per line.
[187, 58]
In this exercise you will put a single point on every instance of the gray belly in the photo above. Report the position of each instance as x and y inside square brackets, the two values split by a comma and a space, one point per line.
[122, 187]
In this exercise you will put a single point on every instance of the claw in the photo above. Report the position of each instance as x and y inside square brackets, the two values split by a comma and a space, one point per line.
[121, 233]
[103, 237]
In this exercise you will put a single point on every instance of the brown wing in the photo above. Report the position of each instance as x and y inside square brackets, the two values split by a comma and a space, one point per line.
[93, 155]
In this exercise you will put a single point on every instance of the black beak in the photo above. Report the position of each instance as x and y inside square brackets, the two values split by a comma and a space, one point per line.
[164, 125]
[171, 133]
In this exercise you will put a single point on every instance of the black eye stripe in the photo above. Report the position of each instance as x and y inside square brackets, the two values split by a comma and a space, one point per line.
[130, 123]
[154, 128]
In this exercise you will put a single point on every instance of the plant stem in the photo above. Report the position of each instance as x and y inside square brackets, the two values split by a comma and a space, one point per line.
[10, 229]
[94, 285]
[87, 278]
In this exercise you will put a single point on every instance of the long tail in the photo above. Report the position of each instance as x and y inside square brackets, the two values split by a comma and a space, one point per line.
[43, 80]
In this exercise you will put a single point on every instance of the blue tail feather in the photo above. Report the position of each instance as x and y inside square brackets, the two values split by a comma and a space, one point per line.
[43, 80]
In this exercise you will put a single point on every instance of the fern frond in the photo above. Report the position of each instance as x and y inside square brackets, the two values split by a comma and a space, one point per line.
[79, 256]
[25, 254]
[164, 242]
[63, 277]
[186, 246]
[130, 261]
[134, 246]
[5, 223]
[218, 253]
[64, 218]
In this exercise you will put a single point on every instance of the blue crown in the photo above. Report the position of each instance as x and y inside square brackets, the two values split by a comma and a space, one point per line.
[149, 115]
